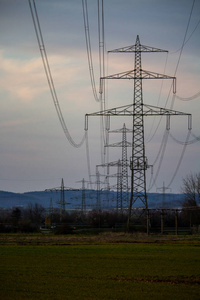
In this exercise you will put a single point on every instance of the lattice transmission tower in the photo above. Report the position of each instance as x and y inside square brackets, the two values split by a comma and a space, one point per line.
[138, 160]
[62, 201]
[122, 165]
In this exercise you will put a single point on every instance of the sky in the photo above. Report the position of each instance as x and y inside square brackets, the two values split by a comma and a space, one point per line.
[34, 151]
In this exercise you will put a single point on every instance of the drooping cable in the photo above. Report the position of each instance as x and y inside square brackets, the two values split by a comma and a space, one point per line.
[195, 140]
[189, 98]
[101, 35]
[88, 160]
[183, 44]
[156, 129]
[89, 49]
[198, 93]
[173, 98]
[196, 137]
[49, 77]
[161, 154]
[188, 38]
[180, 159]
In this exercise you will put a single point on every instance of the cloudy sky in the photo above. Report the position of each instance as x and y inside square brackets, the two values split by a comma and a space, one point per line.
[34, 152]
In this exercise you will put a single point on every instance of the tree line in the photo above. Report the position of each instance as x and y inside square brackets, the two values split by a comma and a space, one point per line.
[31, 218]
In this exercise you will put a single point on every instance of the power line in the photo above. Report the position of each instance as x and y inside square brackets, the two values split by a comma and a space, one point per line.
[101, 42]
[180, 160]
[156, 129]
[195, 140]
[173, 98]
[188, 38]
[161, 154]
[88, 160]
[47, 69]
[179, 58]
[88, 47]
[188, 98]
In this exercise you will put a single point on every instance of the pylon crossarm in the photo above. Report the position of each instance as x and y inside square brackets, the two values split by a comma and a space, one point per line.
[122, 75]
[153, 75]
[119, 144]
[114, 163]
[128, 110]
[144, 74]
[150, 110]
[120, 130]
[132, 49]
[125, 110]
[64, 189]
[120, 110]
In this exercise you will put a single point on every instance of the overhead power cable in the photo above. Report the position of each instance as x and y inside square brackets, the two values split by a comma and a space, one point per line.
[195, 140]
[180, 159]
[47, 69]
[101, 34]
[188, 98]
[161, 154]
[172, 104]
[188, 38]
[88, 159]
[150, 139]
[183, 44]
[101, 38]
[196, 137]
[88, 47]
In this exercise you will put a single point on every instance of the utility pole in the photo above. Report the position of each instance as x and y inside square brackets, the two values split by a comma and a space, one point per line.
[138, 160]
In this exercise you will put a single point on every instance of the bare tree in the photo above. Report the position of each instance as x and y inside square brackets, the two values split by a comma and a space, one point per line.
[191, 189]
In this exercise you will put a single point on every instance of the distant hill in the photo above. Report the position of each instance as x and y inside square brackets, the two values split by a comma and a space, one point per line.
[74, 199]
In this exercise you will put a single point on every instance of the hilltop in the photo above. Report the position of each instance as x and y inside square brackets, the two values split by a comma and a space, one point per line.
[74, 199]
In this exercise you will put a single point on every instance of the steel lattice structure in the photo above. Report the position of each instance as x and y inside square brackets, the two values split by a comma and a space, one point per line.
[123, 164]
[119, 185]
[138, 161]
[62, 201]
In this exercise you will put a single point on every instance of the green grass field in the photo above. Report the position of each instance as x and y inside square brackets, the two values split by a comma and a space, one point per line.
[99, 268]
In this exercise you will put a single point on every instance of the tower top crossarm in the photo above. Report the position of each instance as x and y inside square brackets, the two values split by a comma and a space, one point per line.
[137, 47]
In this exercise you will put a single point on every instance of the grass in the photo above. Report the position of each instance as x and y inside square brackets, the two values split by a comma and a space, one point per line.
[99, 267]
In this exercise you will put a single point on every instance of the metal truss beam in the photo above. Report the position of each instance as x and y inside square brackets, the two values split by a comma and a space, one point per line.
[138, 161]
[132, 49]
[144, 74]
[128, 110]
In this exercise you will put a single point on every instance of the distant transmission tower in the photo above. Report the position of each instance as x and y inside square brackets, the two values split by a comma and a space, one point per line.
[163, 189]
[98, 203]
[83, 206]
[124, 161]
[138, 160]
[62, 201]
[119, 185]
[122, 168]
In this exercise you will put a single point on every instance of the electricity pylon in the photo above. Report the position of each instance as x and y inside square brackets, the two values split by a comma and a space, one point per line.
[98, 203]
[124, 162]
[62, 201]
[119, 186]
[122, 167]
[138, 160]
[83, 203]
[163, 189]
